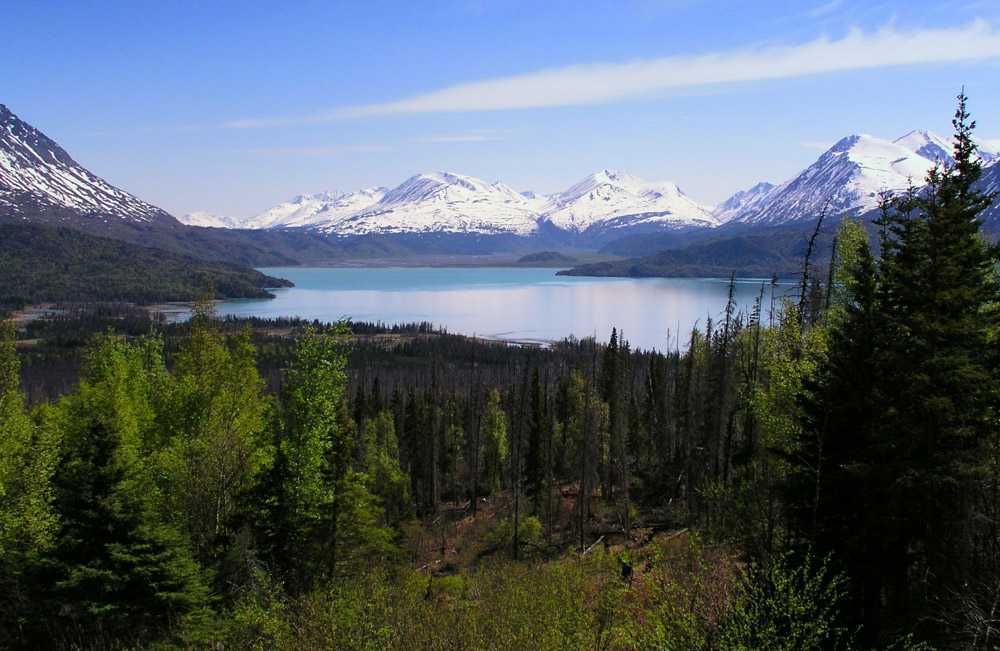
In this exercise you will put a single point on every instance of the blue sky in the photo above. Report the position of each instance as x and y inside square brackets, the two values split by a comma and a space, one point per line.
[234, 107]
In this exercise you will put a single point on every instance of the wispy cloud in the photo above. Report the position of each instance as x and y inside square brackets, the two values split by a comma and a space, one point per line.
[320, 150]
[989, 144]
[447, 138]
[606, 82]
[825, 9]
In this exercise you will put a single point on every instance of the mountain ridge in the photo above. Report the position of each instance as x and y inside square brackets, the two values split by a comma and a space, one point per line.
[446, 213]
[37, 176]
[437, 202]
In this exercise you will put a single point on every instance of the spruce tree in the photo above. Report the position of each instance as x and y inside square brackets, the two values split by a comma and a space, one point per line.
[903, 402]
[117, 568]
[386, 480]
[535, 458]
[839, 490]
[940, 293]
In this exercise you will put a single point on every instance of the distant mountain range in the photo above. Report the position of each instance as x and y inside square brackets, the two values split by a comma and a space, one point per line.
[444, 202]
[847, 179]
[444, 213]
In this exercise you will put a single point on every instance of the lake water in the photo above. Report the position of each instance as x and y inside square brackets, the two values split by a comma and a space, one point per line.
[514, 304]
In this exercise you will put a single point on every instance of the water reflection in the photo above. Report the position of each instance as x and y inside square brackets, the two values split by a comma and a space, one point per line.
[511, 304]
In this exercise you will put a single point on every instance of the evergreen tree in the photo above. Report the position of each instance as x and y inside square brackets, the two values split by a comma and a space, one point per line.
[454, 450]
[902, 405]
[116, 567]
[535, 457]
[28, 456]
[839, 491]
[940, 294]
[386, 479]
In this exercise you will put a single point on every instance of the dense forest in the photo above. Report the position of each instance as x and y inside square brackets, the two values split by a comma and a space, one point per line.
[818, 473]
[47, 263]
[774, 252]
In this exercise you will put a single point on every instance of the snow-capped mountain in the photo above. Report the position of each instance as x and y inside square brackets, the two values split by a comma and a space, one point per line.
[316, 210]
[620, 200]
[445, 202]
[989, 154]
[989, 182]
[929, 145]
[442, 202]
[39, 181]
[742, 200]
[847, 178]
[210, 220]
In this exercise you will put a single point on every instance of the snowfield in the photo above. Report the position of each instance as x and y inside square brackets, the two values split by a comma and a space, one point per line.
[435, 202]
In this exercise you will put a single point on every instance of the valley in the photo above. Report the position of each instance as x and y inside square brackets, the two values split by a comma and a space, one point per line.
[500, 326]
[608, 224]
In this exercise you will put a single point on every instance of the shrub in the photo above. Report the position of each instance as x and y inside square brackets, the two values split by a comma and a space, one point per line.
[529, 538]
[784, 605]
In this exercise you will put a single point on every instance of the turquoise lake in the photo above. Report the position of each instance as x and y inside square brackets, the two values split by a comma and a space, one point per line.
[513, 304]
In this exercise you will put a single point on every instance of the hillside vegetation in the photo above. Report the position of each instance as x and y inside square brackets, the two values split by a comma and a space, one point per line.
[750, 256]
[53, 264]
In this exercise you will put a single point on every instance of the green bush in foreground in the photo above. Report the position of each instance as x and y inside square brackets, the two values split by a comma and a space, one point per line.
[686, 597]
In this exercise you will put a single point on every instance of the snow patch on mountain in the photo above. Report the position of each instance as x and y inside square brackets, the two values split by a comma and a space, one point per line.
[743, 200]
[210, 220]
[847, 178]
[612, 196]
[437, 202]
[928, 144]
[316, 210]
[37, 174]
[989, 183]
[442, 202]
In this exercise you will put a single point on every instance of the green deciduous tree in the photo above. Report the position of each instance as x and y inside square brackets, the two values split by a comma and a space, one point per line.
[116, 567]
[495, 450]
[322, 518]
[213, 417]
[28, 456]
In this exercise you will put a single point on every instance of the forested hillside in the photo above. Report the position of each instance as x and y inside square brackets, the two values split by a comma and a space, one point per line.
[45, 263]
[820, 473]
[777, 253]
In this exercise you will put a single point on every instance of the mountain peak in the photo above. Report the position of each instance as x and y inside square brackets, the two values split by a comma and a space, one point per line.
[39, 181]
[210, 220]
[927, 144]
[622, 199]
[742, 201]
[853, 141]
[847, 178]
[615, 177]
[315, 210]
